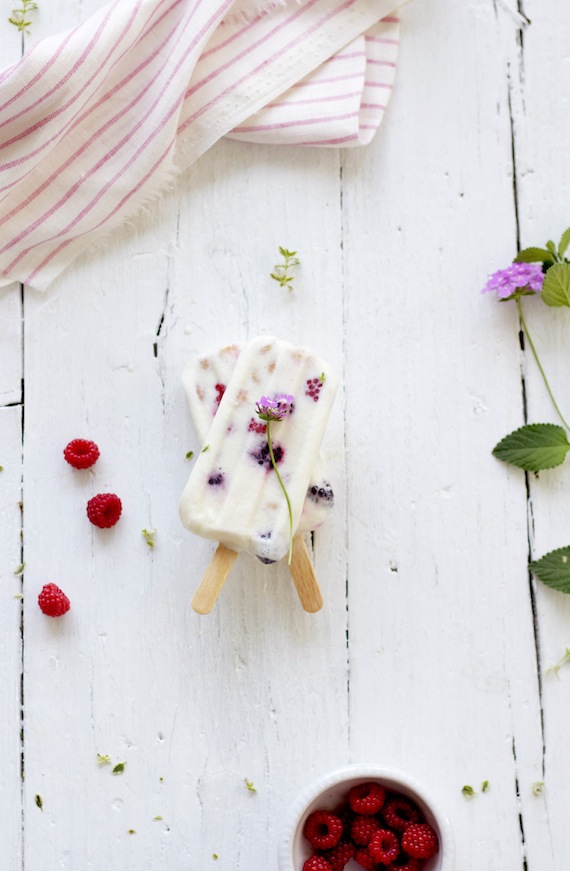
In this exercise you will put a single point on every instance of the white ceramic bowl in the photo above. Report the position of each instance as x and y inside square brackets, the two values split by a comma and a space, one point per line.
[328, 791]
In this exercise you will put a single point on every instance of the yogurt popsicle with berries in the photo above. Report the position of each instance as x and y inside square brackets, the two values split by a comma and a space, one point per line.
[205, 379]
[249, 483]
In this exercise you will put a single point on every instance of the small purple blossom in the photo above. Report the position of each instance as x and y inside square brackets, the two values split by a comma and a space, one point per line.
[274, 409]
[527, 277]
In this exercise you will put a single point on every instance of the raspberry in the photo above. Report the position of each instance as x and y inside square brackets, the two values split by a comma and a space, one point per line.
[399, 812]
[363, 858]
[420, 841]
[317, 863]
[104, 510]
[405, 863]
[323, 830]
[384, 846]
[53, 601]
[340, 855]
[346, 815]
[366, 798]
[81, 454]
[362, 829]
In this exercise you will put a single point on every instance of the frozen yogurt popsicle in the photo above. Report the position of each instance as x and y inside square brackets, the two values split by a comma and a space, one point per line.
[205, 379]
[233, 495]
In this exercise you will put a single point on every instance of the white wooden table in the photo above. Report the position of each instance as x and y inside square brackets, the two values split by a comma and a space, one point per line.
[432, 649]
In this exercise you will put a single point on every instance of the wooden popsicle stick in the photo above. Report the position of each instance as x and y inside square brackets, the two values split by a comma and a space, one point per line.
[304, 577]
[214, 579]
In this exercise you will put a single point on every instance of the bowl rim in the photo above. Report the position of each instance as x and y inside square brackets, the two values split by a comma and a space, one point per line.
[353, 772]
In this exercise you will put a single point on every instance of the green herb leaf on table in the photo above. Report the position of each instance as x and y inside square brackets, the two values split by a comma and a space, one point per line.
[534, 447]
[119, 768]
[564, 242]
[485, 786]
[103, 759]
[556, 287]
[249, 785]
[553, 569]
[534, 255]
[537, 787]
[39, 802]
[468, 791]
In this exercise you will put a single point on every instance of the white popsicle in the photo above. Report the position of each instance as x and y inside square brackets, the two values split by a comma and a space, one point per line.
[233, 495]
[205, 379]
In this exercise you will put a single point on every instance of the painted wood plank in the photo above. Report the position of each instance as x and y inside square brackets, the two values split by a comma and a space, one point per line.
[10, 634]
[442, 665]
[543, 214]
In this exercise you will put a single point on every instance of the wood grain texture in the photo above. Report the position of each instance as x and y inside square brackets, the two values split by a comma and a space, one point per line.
[214, 579]
[431, 649]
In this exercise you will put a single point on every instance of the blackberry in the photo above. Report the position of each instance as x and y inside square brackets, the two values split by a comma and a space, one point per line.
[321, 493]
[262, 457]
[216, 479]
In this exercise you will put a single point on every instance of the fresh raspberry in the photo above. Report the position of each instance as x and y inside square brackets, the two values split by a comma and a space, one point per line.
[384, 846]
[340, 855]
[366, 798]
[53, 601]
[317, 863]
[81, 454]
[363, 858]
[323, 830]
[345, 813]
[362, 829]
[420, 841]
[399, 812]
[405, 863]
[104, 510]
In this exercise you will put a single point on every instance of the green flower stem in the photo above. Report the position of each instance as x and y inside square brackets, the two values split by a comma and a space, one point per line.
[538, 363]
[280, 479]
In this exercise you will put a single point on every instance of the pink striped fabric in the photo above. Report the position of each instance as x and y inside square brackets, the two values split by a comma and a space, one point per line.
[95, 122]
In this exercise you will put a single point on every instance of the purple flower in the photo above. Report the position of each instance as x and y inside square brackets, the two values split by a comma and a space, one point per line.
[525, 277]
[274, 409]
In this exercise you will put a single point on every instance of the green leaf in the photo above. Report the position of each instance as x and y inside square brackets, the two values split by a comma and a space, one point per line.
[534, 255]
[564, 242]
[468, 791]
[556, 287]
[551, 246]
[553, 569]
[119, 768]
[534, 447]
[39, 802]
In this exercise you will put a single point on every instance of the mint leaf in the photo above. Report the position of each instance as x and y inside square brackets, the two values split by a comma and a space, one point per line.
[556, 287]
[564, 242]
[553, 569]
[534, 255]
[534, 447]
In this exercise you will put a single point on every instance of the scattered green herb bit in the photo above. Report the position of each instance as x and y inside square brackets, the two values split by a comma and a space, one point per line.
[565, 659]
[189, 455]
[485, 786]
[282, 274]
[18, 595]
[19, 16]
[249, 785]
[161, 779]
[214, 855]
[119, 768]
[468, 791]
[148, 535]
[1, 468]
[204, 449]
[39, 802]
[132, 831]
[103, 759]
[157, 818]
[20, 569]
[323, 377]
[537, 787]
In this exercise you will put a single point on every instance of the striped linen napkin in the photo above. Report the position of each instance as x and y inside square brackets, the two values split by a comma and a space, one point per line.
[97, 121]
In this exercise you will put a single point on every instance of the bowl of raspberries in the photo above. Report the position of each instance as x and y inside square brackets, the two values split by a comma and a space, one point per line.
[370, 817]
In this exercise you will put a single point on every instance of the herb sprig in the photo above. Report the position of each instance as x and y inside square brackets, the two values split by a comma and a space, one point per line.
[537, 446]
[20, 17]
[282, 273]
